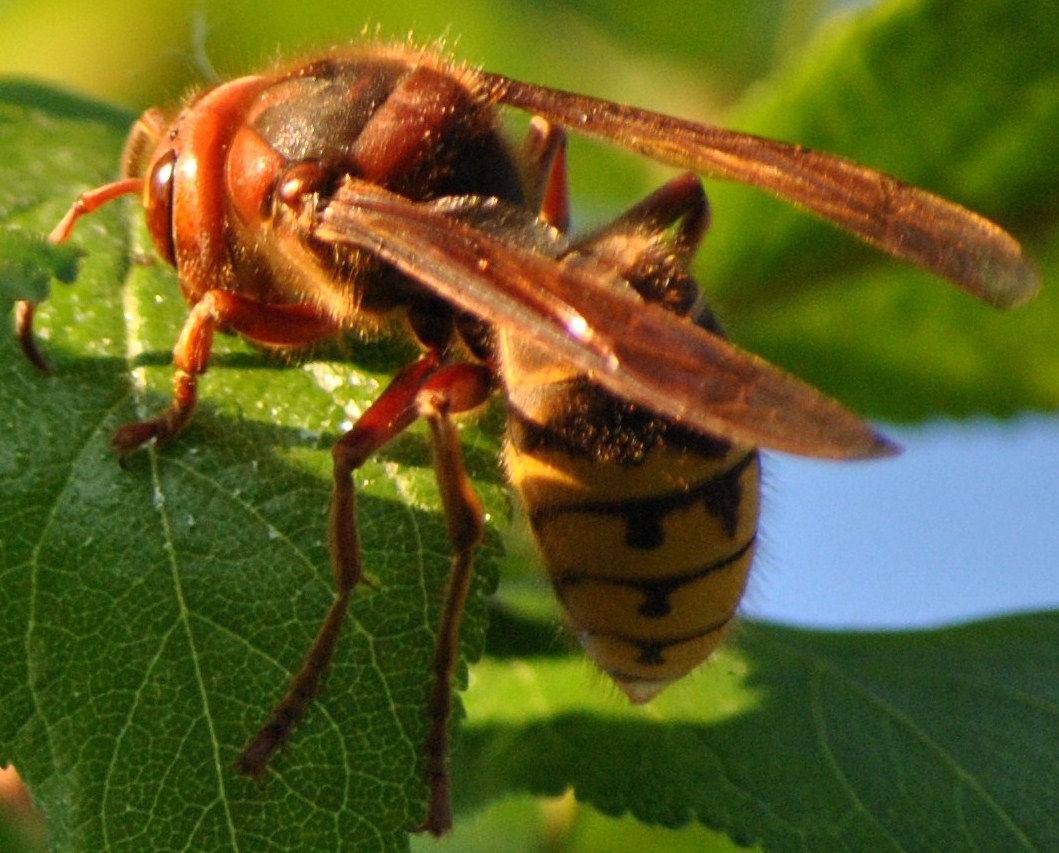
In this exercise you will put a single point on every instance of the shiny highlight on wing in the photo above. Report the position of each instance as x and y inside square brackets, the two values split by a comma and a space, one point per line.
[636, 350]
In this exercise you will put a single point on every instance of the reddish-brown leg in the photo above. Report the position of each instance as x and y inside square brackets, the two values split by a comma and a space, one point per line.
[391, 413]
[272, 324]
[422, 389]
[543, 159]
[449, 391]
[680, 201]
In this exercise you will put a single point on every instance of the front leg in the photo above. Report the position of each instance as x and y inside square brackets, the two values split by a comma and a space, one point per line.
[190, 357]
[280, 325]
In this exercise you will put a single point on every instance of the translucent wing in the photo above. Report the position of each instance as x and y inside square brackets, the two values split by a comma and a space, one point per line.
[578, 308]
[905, 221]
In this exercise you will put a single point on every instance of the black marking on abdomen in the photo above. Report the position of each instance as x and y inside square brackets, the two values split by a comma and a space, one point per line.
[652, 652]
[656, 590]
[721, 494]
[644, 531]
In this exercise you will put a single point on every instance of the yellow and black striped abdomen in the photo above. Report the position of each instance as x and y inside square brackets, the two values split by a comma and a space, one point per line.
[647, 529]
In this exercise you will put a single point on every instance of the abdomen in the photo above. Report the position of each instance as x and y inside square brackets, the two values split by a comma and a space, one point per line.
[647, 529]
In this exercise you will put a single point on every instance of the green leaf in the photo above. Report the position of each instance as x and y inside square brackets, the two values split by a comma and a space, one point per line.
[961, 98]
[153, 614]
[798, 740]
[28, 263]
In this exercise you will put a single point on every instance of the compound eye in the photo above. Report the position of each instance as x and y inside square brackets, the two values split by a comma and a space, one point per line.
[158, 202]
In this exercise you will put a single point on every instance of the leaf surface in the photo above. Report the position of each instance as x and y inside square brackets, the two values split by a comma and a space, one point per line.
[154, 614]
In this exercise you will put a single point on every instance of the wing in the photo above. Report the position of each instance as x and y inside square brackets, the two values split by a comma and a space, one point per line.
[905, 221]
[581, 311]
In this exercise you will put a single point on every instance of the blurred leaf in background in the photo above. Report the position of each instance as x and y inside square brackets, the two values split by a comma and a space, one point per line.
[152, 614]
